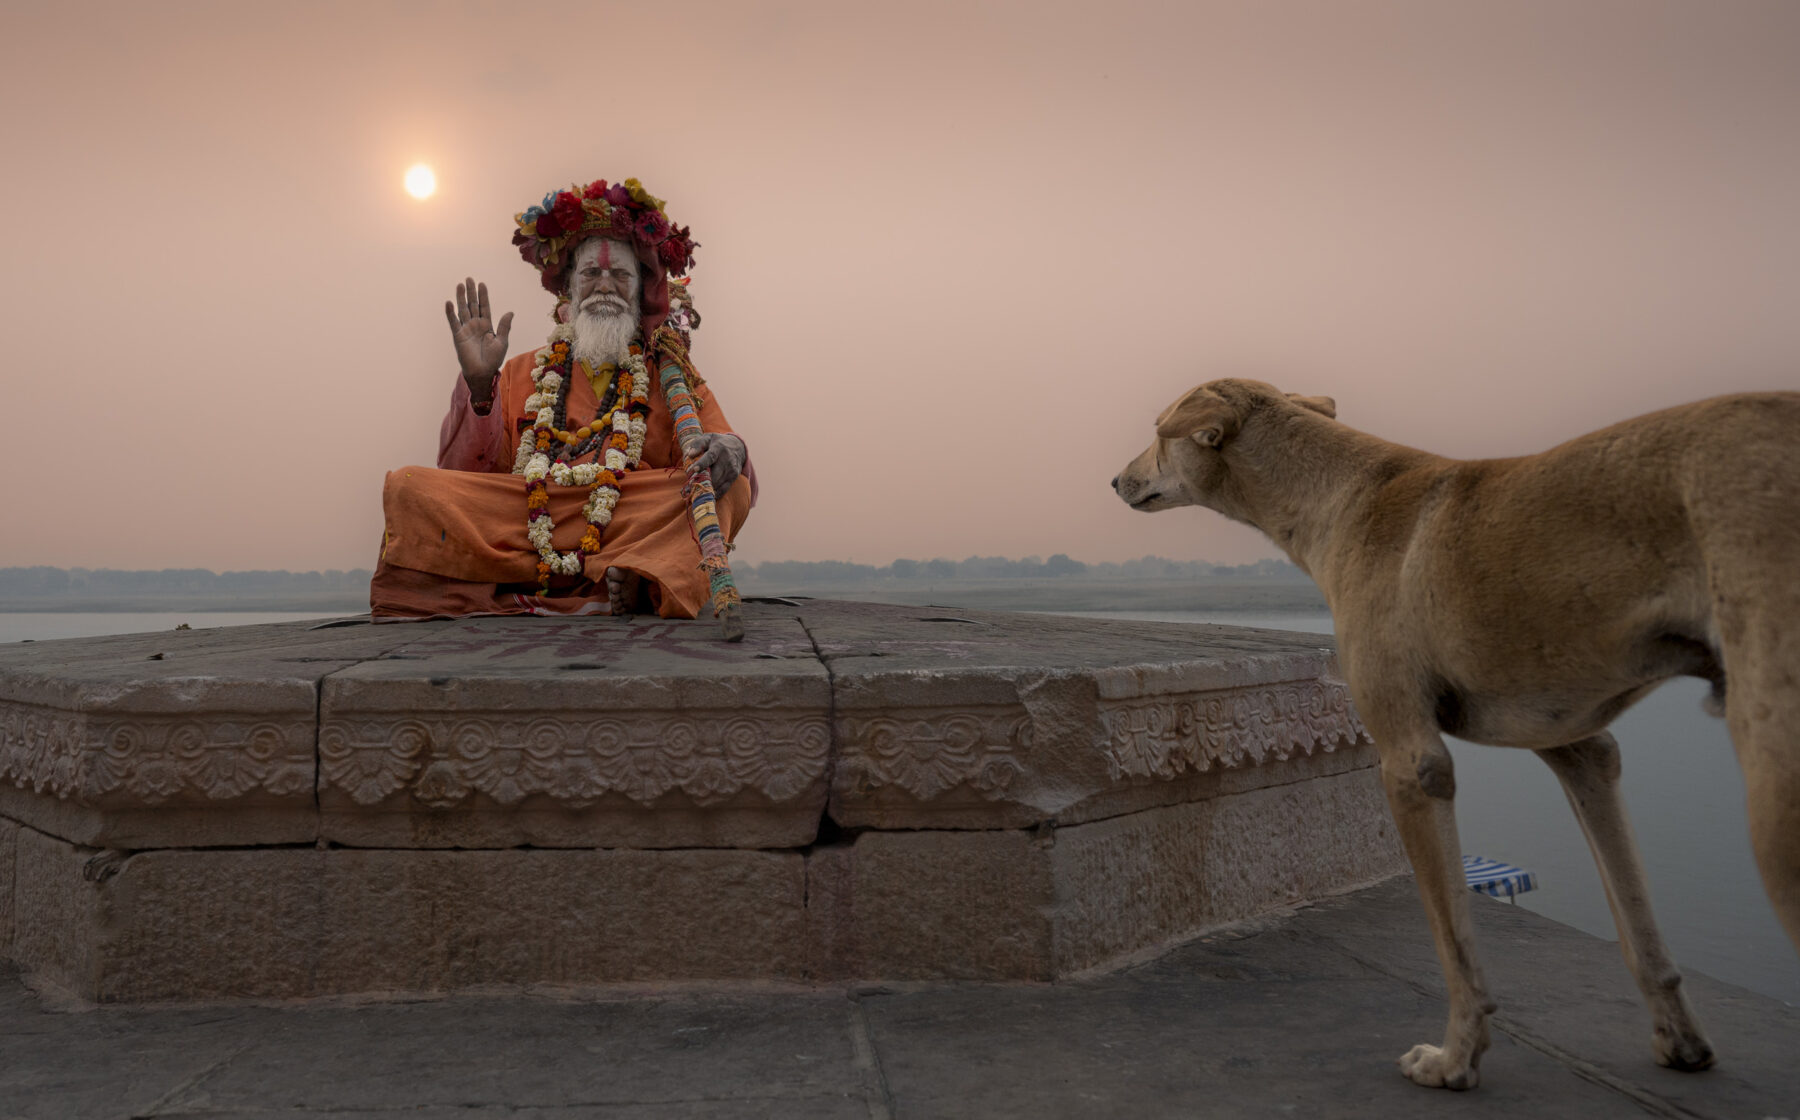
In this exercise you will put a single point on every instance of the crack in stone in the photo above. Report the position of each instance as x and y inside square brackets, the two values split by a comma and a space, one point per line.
[192, 1083]
[319, 730]
[1590, 1072]
[867, 1057]
[833, 750]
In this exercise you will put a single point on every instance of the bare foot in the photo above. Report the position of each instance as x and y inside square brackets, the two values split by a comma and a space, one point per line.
[622, 591]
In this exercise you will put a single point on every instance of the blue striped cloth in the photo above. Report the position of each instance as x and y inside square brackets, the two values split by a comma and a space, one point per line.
[1501, 880]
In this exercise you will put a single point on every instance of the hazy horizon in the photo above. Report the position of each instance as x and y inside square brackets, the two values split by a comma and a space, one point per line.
[1134, 566]
[954, 257]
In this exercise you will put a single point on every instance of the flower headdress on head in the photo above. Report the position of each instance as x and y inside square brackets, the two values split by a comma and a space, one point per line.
[549, 232]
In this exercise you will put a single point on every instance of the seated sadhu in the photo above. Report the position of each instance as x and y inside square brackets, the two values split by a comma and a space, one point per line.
[560, 486]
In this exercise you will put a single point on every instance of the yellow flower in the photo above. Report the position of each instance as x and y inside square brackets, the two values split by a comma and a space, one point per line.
[641, 196]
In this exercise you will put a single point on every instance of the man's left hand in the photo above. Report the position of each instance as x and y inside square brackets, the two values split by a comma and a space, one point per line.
[722, 457]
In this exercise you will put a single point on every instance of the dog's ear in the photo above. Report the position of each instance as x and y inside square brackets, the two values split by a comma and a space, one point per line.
[1323, 405]
[1202, 414]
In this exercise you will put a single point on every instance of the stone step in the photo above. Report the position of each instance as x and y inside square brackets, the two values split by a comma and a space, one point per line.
[855, 790]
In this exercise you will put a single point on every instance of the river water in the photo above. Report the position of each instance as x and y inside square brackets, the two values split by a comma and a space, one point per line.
[41, 626]
[1681, 783]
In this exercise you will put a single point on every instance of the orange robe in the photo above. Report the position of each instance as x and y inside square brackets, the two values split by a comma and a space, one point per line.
[455, 540]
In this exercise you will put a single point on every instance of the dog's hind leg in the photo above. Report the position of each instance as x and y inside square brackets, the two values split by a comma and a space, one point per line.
[1589, 773]
[1420, 782]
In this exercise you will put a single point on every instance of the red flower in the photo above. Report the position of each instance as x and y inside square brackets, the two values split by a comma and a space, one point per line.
[567, 212]
[651, 227]
[676, 252]
[595, 189]
[548, 226]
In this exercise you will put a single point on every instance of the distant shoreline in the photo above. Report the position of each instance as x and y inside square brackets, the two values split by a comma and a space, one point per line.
[1048, 594]
[1275, 596]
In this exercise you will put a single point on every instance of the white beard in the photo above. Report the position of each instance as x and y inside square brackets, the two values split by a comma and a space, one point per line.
[602, 334]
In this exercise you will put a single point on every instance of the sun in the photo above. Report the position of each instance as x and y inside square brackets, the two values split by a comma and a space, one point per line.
[420, 181]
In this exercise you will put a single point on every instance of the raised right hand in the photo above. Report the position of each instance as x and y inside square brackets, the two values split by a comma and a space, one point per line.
[480, 345]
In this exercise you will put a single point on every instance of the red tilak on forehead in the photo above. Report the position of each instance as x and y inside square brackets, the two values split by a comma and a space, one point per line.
[606, 254]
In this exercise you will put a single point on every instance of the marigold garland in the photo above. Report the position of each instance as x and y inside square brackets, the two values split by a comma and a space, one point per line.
[548, 451]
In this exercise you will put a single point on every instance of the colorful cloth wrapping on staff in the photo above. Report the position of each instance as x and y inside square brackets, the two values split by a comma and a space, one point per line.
[702, 506]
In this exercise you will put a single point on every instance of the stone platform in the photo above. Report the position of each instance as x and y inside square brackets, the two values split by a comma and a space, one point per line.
[855, 791]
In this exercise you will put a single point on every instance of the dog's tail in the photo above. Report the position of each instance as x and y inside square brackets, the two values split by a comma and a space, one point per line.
[1744, 506]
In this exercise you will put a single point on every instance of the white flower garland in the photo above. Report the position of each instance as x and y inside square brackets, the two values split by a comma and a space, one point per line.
[535, 462]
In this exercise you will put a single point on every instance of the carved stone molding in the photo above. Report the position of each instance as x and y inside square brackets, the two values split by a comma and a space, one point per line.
[574, 758]
[928, 753]
[1069, 747]
[1165, 736]
[493, 733]
[148, 759]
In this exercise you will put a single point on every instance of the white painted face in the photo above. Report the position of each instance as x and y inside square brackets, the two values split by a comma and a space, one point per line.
[604, 289]
[604, 278]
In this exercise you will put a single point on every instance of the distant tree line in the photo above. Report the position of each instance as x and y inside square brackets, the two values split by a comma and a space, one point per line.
[1060, 566]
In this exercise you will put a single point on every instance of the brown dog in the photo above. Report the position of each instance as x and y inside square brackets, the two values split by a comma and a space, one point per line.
[1526, 603]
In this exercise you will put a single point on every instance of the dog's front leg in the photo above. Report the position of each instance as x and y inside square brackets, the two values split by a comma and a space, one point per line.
[1589, 773]
[1417, 773]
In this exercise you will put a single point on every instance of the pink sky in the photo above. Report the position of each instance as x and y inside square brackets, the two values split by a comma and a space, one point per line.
[954, 258]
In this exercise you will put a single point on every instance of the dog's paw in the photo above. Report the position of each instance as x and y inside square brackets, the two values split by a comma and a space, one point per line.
[1428, 1066]
[1688, 1051]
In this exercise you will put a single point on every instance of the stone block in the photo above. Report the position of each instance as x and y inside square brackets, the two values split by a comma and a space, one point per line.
[1130, 883]
[589, 732]
[1279, 846]
[56, 917]
[989, 720]
[294, 922]
[181, 738]
[967, 905]
[1354, 838]
[1043, 903]
[1161, 875]
[947, 904]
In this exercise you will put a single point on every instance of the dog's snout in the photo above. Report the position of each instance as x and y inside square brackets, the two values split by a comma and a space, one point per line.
[1115, 483]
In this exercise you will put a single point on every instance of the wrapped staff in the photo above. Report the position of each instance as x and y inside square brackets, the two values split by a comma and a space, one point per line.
[702, 502]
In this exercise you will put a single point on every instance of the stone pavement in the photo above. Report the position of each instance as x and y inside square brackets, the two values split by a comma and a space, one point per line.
[1301, 1014]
